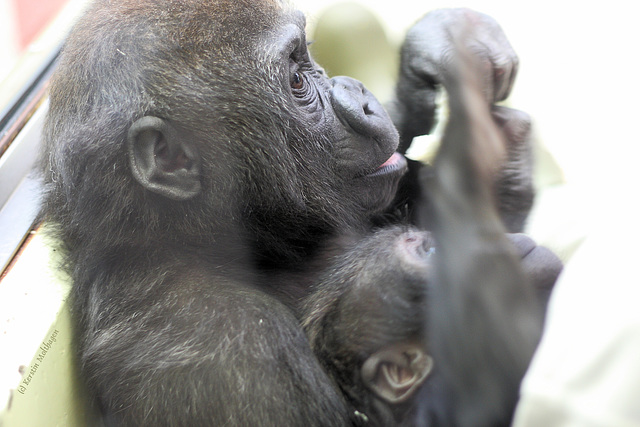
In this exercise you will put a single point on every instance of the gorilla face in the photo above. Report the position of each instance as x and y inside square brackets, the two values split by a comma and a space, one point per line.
[339, 131]
[366, 322]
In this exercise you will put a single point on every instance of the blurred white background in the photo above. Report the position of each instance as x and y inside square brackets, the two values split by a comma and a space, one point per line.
[579, 79]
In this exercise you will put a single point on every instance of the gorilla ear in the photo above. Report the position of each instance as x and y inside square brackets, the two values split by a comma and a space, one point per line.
[162, 161]
[396, 372]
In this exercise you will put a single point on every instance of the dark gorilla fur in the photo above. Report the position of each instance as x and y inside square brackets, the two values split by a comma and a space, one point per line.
[196, 165]
[177, 251]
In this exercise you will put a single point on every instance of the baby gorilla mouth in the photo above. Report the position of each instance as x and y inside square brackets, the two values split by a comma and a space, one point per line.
[394, 164]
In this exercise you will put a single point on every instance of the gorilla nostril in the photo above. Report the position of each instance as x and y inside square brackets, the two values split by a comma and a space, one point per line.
[366, 109]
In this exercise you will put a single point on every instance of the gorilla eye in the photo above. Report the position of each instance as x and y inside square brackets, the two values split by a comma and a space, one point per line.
[296, 81]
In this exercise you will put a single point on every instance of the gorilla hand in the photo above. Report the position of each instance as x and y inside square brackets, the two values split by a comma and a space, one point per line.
[426, 60]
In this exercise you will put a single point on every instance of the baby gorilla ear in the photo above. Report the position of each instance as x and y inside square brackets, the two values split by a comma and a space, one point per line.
[396, 372]
[161, 159]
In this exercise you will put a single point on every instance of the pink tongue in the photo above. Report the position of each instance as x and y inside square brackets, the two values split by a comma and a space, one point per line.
[389, 161]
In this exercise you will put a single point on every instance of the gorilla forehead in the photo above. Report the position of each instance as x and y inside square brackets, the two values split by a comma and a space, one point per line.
[196, 27]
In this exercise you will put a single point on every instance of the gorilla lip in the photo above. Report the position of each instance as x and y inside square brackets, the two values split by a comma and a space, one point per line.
[396, 162]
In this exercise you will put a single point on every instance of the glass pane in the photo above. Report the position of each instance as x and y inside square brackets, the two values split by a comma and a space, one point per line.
[29, 31]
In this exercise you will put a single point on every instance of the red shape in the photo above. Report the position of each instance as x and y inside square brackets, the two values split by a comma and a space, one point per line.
[33, 16]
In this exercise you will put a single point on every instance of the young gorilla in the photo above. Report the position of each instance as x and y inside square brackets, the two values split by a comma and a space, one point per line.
[365, 320]
[366, 324]
[195, 160]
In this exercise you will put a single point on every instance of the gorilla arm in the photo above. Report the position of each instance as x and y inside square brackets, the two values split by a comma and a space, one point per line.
[482, 292]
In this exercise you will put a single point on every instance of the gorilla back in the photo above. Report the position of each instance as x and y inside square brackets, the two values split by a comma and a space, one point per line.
[195, 156]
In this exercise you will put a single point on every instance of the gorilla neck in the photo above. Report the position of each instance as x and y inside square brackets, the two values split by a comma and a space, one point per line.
[283, 240]
[278, 248]
[291, 282]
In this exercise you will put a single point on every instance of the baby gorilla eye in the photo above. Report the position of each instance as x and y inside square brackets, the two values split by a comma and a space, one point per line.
[297, 82]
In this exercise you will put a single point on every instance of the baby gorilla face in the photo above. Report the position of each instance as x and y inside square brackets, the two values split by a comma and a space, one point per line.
[395, 253]
[395, 369]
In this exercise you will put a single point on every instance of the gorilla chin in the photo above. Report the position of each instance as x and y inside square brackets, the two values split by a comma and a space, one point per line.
[380, 186]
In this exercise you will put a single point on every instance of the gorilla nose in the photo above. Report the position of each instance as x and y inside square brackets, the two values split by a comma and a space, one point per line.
[358, 109]
[355, 95]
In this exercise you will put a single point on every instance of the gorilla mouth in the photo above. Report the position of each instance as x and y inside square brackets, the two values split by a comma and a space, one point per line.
[394, 164]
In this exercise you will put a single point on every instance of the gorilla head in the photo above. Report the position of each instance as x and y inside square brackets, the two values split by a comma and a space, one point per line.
[366, 323]
[185, 119]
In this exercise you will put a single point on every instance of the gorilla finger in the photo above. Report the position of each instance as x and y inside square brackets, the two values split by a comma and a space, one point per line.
[504, 73]
[543, 267]
[483, 65]
[522, 243]
[540, 264]
[514, 124]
